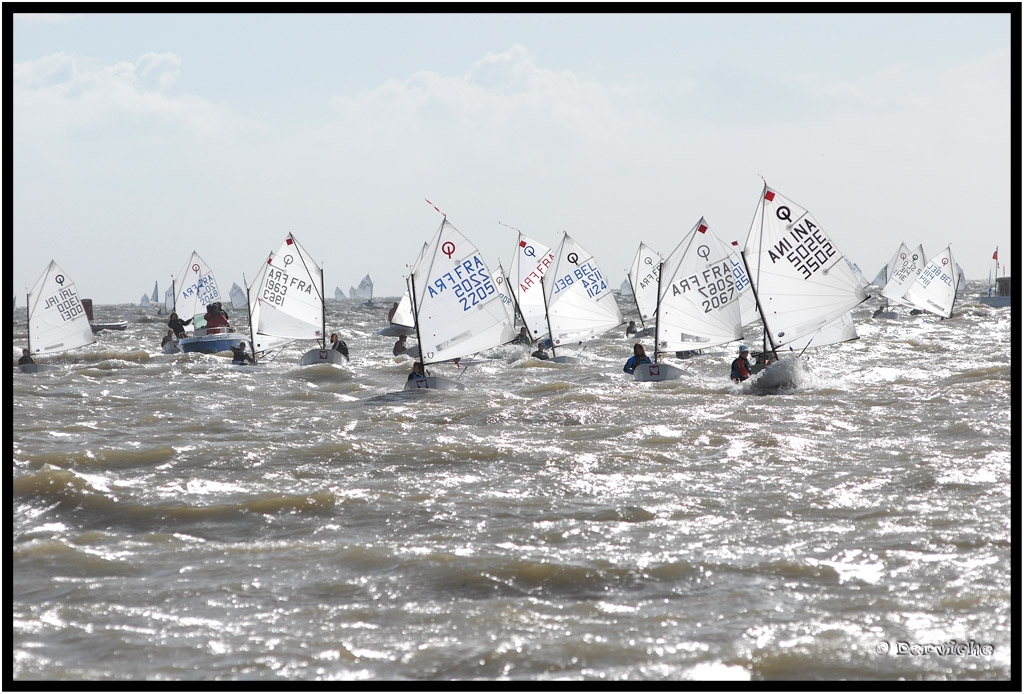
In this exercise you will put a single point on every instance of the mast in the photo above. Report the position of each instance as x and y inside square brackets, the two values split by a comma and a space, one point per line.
[633, 290]
[248, 309]
[28, 319]
[547, 318]
[657, 311]
[323, 313]
[760, 309]
[416, 314]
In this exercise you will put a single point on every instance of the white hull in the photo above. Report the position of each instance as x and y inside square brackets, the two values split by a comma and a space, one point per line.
[394, 330]
[322, 356]
[656, 372]
[434, 383]
[171, 347]
[564, 360]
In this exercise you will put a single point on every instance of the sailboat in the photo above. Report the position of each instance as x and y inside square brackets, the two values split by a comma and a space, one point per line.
[934, 289]
[579, 303]
[800, 280]
[698, 299]
[458, 311]
[530, 262]
[289, 303]
[238, 296]
[57, 320]
[195, 288]
[363, 291]
[900, 273]
[643, 285]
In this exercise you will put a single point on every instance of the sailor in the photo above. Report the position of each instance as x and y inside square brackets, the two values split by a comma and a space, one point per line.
[240, 356]
[639, 357]
[339, 345]
[26, 357]
[741, 365]
[417, 372]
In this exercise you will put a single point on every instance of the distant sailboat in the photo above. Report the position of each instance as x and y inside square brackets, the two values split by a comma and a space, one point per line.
[363, 292]
[579, 302]
[530, 262]
[643, 285]
[57, 320]
[934, 289]
[238, 299]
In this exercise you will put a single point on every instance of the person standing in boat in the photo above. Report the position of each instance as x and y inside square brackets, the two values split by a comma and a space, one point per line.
[240, 356]
[178, 325]
[399, 347]
[26, 357]
[417, 372]
[639, 357]
[741, 366]
[339, 345]
[215, 319]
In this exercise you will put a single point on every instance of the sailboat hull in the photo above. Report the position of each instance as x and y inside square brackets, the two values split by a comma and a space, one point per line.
[322, 356]
[656, 372]
[434, 383]
[211, 344]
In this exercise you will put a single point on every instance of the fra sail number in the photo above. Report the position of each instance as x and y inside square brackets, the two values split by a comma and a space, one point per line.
[469, 280]
[277, 284]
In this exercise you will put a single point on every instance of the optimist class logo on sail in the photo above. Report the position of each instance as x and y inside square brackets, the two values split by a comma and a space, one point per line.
[806, 246]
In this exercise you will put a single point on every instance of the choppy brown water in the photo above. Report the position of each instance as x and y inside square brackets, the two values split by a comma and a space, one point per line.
[175, 517]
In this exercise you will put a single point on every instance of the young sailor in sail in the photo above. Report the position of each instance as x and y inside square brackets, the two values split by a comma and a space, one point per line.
[26, 357]
[391, 312]
[399, 346]
[741, 366]
[417, 372]
[541, 351]
[240, 356]
[631, 328]
[523, 338]
[169, 337]
[639, 357]
[339, 345]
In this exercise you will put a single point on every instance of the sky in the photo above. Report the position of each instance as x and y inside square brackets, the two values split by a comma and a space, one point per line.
[139, 138]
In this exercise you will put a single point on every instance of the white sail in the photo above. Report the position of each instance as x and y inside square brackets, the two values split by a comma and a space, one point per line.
[169, 298]
[626, 289]
[195, 288]
[144, 301]
[156, 293]
[901, 271]
[643, 281]
[702, 283]
[56, 318]
[260, 342]
[934, 290]
[458, 309]
[800, 278]
[855, 269]
[237, 295]
[505, 292]
[529, 264]
[363, 291]
[580, 304]
[842, 329]
[290, 302]
[338, 294]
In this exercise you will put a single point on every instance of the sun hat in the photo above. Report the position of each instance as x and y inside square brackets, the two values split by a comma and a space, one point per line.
[743, 348]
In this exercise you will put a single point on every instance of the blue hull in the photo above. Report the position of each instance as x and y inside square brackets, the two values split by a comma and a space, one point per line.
[211, 344]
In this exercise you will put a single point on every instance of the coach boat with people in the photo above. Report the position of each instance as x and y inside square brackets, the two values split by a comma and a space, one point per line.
[195, 295]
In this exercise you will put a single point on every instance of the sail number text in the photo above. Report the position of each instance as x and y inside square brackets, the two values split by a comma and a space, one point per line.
[277, 283]
[66, 303]
[204, 289]
[806, 248]
[718, 284]
[470, 281]
[932, 272]
[588, 275]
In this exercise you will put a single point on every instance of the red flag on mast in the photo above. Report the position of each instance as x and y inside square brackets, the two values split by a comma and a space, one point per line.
[995, 256]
